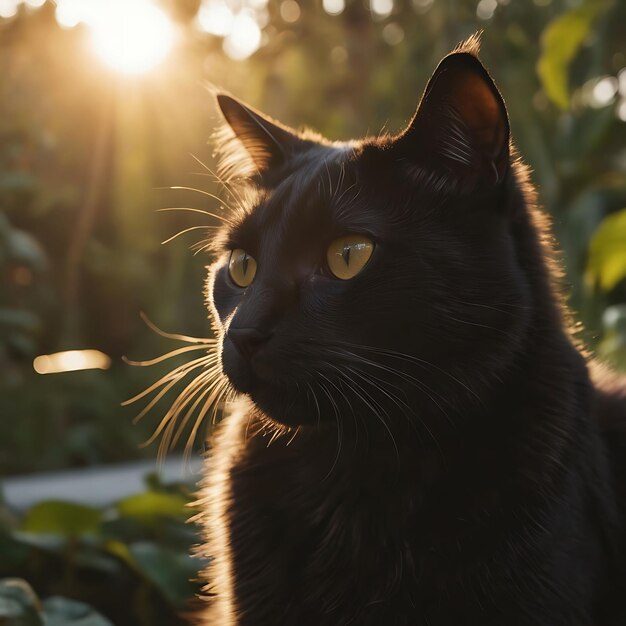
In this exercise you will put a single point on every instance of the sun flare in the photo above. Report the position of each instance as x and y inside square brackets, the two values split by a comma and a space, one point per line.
[130, 36]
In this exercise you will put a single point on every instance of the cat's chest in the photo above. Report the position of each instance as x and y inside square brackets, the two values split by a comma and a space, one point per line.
[307, 537]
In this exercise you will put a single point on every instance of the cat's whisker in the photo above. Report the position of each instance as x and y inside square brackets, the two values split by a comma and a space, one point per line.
[175, 375]
[185, 231]
[201, 392]
[343, 380]
[228, 185]
[376, 409]
[391, 370]
[346, 208]
[421, 385]
[339, 426]
[220, 218]
[418, 361]
[339, 200]
[359, 391]
[191, 390]
[493, 307]
[487, 326]
[342, 174]
[185, 338]
[204, 193]
[405, 409]
[319, 414]
[330, 182]
[189, 209]
[174, 381]
[210, 403]
[164, 357]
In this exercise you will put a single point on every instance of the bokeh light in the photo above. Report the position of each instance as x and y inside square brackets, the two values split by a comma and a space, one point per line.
[381, 8]
[71, 361]
[244, 38]
[8, 8]
[334, 7]
[216, 18]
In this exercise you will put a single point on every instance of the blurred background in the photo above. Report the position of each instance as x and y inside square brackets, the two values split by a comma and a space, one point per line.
[106, 116]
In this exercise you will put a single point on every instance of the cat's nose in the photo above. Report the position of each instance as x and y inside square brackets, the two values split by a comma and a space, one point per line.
[247, 340]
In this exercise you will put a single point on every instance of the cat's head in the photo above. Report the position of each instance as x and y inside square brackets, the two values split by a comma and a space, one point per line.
[377, 275]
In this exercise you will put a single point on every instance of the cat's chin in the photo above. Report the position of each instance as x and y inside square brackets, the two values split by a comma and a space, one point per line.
[276, 402]
[281, 405]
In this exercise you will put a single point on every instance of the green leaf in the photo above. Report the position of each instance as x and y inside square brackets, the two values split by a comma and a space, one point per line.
[606, 265]
[561, 41]
[152, 506]
[19, 605]
[64, 612]
[170, 571]
[63, 518]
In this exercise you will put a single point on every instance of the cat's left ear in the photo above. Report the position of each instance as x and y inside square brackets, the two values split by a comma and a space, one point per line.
[461, 124]
[267, 142]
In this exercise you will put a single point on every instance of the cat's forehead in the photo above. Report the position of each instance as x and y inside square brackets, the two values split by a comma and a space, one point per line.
[307, 191]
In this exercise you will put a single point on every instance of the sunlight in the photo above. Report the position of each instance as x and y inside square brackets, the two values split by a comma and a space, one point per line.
[71, 361]
[132, 37]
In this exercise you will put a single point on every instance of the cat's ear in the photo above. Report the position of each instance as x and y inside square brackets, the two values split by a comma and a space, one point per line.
[461, 123]
[266, 142]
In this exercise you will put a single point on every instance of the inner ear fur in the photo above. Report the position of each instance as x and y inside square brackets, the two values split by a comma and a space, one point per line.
[461, 123]
[267, 142]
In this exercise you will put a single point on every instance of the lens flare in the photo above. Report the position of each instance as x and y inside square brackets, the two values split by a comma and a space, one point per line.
[131, 37]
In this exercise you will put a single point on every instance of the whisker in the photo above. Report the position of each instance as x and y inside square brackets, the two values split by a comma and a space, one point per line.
[186, 230]
[228, 185]
[339, 428]
[319, 414]
[376, 409]
[171, 416]
[188, 209]
[176, 374]
[202, 384]
[416, 360]
[221, 218]
[200, 393]
[210, 403]
[164, 357]
[187, 339]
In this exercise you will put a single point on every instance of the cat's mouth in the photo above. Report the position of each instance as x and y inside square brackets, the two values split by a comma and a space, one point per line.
[262, 378]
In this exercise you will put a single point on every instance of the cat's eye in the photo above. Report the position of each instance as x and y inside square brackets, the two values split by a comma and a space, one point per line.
[348, 255]
[241, 267]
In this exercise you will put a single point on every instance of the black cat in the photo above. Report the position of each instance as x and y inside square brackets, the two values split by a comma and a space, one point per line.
[418, 441]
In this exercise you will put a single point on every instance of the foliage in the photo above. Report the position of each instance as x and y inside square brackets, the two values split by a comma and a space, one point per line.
[562, 39]
[19, 606]
[607, 252]
[130, 561]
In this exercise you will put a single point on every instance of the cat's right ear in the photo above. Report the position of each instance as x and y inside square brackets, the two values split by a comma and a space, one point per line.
[267, 143]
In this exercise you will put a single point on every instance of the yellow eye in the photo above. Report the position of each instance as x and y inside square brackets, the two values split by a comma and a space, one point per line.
[241, 267]
[348, 255]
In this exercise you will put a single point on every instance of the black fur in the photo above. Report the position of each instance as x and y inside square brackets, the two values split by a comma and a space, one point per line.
[422, 443]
